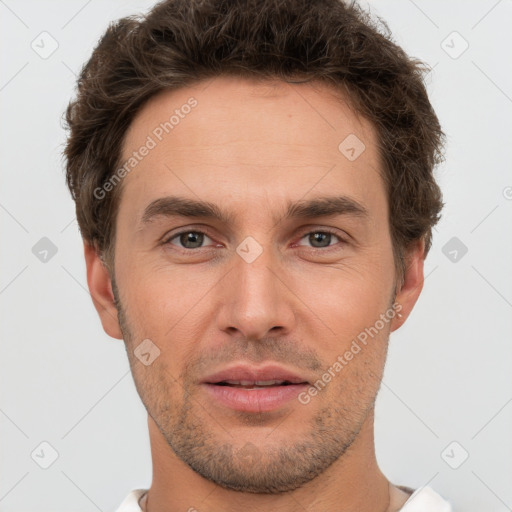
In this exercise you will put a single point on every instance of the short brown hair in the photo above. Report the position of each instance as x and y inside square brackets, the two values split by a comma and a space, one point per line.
[180, 42]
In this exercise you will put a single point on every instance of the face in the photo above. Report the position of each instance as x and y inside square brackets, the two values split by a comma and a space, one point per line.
[252, 254]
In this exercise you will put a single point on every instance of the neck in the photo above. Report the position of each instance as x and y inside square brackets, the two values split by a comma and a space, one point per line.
[353, 482]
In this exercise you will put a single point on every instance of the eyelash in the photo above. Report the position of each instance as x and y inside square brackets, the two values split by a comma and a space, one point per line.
[168, 240]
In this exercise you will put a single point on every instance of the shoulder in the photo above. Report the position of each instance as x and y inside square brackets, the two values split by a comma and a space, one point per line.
[425, 498]
[131, 502]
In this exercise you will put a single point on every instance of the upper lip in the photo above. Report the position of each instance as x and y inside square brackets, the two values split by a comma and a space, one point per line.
[254, 374]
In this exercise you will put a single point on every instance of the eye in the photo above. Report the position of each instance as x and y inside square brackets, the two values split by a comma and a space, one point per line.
[189, 239]
[320, 239]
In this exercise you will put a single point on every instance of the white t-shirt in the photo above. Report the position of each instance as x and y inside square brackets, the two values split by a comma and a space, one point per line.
[424, 499]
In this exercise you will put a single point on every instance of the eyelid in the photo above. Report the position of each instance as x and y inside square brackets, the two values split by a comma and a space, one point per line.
[343, 237]
[170, 235]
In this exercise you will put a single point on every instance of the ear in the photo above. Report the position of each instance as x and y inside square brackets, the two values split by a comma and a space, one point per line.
[100, 288]
[407, 296]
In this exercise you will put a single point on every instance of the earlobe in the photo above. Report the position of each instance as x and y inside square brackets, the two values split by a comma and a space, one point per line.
[411, 288]
[100, 288]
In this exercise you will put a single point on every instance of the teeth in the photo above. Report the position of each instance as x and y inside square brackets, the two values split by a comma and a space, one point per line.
[254, 383]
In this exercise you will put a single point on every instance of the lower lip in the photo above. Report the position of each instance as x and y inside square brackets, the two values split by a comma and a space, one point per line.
[255, 400]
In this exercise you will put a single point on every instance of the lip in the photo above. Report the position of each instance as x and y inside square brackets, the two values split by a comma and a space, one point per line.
[254, 400]
[253, 373]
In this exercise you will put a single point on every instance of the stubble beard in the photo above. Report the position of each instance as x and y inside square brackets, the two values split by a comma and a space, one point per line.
[268, 468]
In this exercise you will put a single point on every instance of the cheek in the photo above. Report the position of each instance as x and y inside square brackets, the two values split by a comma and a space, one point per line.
[347, 297]
[167, 306]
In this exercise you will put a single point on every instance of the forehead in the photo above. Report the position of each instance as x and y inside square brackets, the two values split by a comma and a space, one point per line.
[243, 107]
[231, 136]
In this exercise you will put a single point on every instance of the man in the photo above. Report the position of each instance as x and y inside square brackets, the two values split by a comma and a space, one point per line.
[254, 186]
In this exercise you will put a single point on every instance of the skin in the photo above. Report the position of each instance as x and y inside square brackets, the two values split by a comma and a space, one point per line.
[250, 148]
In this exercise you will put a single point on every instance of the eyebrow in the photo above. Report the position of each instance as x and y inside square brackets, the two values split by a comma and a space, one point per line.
[319, 207]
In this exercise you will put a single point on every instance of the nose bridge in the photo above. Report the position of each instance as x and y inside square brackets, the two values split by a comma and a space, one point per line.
[255, 301]
[256, 279]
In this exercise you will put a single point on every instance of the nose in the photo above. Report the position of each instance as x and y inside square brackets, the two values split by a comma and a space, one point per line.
[255, 300]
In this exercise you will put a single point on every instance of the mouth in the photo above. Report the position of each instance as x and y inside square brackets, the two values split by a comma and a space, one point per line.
[250, 389]
[261, 384]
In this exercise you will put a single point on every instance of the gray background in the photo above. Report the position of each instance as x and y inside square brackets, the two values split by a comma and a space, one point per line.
[66, 383]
